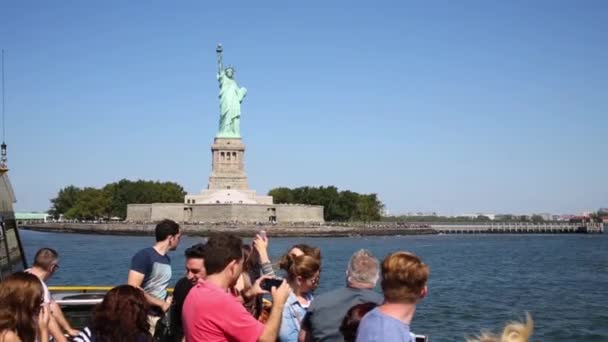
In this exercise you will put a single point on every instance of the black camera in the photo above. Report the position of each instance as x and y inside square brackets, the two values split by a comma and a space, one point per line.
[268, 283]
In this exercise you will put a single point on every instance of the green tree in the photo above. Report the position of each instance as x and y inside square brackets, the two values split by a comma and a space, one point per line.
[537, 218]
[66, 199]
[112, 199]
[482, 218]
[282, 195]
[368, 208]
[91, 204]
[338, 205]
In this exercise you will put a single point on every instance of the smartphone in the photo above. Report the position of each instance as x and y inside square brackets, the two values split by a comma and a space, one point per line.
[421, 338]
[267, 284]
[263, 234]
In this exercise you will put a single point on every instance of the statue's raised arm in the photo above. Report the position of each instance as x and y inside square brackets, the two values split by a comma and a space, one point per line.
[220, 66]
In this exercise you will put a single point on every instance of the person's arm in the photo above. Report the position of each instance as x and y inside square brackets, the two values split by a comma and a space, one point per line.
[60, 319]
[54, 330]
[135, 279]
[254, 290]
[220, 65]
[260, 243]
[273, 324]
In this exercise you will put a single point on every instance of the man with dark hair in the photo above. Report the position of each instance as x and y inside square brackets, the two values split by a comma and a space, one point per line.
[46, 263]
[195, 270]
[151, 269]
[212, 313]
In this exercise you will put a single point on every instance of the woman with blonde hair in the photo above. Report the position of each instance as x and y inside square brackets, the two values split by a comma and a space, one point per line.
[23, 317]
[513, 332]
[302, 274]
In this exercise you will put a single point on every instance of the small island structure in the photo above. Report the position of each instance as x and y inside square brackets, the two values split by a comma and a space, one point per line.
[227, 197]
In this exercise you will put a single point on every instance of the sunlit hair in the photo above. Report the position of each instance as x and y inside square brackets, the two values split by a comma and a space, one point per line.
[513, 332]
[251, 259]
[314, 252]
[404, 276]
[353, 317]
[304, 266]
[45, 258]
[121, 316]
[21, 297]
[363, 267]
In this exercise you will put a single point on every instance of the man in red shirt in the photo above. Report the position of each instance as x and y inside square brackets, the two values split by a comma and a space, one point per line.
[212, 314]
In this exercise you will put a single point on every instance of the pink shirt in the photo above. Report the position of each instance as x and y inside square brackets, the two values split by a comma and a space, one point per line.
[211, 314]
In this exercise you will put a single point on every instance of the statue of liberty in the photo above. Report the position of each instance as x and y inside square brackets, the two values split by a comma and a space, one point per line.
[231, 96]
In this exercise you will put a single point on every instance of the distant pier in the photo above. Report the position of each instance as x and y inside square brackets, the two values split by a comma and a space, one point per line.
[518, 228]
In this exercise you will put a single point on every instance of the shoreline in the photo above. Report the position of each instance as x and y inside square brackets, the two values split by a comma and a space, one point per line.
[240, 230]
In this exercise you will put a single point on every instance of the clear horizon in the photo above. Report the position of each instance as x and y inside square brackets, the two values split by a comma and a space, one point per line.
[492, 107]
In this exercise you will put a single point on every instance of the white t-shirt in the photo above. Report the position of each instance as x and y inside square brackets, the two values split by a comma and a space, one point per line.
[45, 289]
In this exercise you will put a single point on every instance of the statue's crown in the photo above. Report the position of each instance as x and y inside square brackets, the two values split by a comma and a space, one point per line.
[231, 68]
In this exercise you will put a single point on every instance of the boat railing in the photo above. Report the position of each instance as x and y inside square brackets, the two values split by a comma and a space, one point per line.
[78, 295]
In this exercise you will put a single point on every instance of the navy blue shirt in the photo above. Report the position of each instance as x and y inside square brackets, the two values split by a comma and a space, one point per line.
[156, 269]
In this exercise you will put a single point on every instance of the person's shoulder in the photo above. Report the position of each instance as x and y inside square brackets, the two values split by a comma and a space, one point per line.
[182, 282]
[371, 327]
[331, 294]
[328, 299]
[201, 291]
[9, 336]
[215, 303]
[372, 296]
[182, 285]
[145, 252]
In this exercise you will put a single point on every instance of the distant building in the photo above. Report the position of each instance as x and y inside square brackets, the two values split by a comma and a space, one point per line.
[32, 217]
[474, 216]
[421, 213]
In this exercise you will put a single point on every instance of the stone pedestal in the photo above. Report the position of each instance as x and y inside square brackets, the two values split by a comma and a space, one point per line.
[228, 182]
[228, 168]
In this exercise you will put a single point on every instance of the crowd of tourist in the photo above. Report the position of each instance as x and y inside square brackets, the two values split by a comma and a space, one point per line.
[222, 297]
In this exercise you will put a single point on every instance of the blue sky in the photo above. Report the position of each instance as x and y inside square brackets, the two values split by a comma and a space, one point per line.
[454, 107]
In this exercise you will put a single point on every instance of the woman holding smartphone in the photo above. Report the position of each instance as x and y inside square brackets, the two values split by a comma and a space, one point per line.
[256, 264]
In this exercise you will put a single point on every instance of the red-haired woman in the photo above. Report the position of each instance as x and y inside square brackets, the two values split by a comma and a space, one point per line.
[121, 317]
[23, 318]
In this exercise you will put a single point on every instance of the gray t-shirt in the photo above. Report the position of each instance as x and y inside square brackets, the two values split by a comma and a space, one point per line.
[379, 327]
[327, 311]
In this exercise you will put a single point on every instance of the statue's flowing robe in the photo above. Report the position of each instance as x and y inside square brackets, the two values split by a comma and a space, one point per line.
[231, 97]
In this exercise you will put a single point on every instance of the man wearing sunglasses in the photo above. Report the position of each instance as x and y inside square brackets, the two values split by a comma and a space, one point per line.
[46, 263]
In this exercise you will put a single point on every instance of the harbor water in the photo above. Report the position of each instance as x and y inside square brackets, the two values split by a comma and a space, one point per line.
[477, 281]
